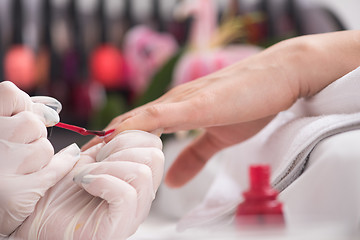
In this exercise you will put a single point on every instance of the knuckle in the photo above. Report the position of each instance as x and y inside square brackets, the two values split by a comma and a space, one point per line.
[29, 117]
[8, 87]
[157, 156]
[31, 121]
[144, 171]
[131, 193]
[203, 101]
[115, 120]
[154, 113]
[153, 110]
[45, 147]
[8, 91]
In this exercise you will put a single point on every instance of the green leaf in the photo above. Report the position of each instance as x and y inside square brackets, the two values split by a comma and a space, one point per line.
[114, 106]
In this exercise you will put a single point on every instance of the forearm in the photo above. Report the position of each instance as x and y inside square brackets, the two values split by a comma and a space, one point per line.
[273, 80]
[312, 62]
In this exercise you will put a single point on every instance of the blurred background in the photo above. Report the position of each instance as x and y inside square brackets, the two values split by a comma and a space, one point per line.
[101, 58]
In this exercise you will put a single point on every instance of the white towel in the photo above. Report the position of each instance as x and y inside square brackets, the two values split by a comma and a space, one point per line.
[285, 144]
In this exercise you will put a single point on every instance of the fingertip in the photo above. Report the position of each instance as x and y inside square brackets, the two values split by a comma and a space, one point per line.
[49, 102]
[173, 182]
[47, 115]
[60, 165]
[110, 136]
[67, 156]
[108, 187]
[10, 93]
[72, 150]
[190, 162]
[82, 180]
[177, 176]
[94, 141]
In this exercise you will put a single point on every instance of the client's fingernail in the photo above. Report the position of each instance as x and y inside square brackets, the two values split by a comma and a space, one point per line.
[48, 101]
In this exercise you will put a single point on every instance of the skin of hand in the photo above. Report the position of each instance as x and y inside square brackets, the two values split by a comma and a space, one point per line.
[107, 194]
[236, 102]
[28, 165]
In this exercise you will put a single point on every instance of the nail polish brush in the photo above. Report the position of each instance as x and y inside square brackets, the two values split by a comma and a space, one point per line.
[84, 131]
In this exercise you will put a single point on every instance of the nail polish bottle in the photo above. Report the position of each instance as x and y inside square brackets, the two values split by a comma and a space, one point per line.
[260, 207]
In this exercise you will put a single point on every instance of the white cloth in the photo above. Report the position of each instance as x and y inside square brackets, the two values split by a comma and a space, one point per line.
[328, 192]
[285, 144]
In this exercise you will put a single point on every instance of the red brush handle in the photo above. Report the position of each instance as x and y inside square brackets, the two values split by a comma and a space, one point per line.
[77, 129]
[83, 131]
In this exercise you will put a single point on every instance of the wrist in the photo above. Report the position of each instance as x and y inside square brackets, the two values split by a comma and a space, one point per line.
[314, 61]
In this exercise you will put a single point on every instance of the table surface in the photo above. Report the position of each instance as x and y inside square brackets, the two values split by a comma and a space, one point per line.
[156, 227]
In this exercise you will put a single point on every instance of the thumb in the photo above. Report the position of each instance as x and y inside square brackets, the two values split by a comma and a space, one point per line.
[191, 160]
[59, 166]
[122, 204]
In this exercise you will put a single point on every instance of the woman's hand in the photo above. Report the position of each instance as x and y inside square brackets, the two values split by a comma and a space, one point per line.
[238, 101]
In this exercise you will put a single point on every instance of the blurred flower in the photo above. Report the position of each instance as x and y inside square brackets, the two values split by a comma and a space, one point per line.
[145, 51]
[208, 49]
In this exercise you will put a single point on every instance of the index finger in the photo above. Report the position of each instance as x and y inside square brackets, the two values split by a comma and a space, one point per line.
[113, 124]
[162, 117]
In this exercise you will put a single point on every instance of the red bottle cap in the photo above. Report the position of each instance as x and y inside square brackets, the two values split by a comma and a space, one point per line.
[260, 205]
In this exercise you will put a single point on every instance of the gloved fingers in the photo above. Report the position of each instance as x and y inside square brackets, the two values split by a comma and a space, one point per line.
[91, 153]
[122, 203]
[59, 166]
[13, 100]
[17, 158]
[129, 139]
[87, 158]
[49, 102]
[152, 157]
[21, 193]
[46, 114]
[87, 161]
[24, 127]
[139, 176]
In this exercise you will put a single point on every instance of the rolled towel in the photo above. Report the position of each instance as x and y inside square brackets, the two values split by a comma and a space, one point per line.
[285, 144]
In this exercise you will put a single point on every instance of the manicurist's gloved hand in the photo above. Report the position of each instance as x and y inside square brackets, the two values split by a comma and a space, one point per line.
[107, 194]
[28, 165]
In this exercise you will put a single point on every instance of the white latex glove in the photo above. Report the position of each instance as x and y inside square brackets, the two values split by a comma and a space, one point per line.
[106, 196]
[28, 168]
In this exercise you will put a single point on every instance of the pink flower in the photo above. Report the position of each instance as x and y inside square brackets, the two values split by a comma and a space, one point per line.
[145, 51]
[205, 55]
[196, 64]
